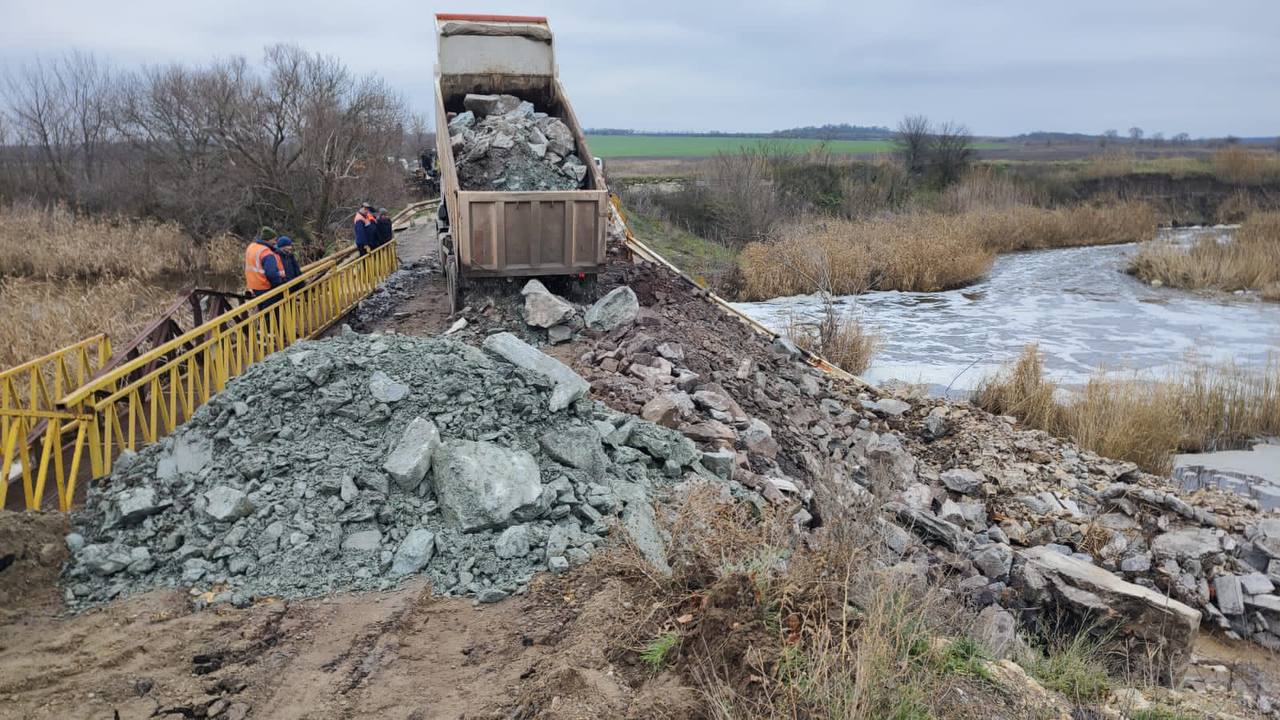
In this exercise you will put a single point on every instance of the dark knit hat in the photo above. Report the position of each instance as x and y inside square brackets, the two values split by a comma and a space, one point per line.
[267, 233]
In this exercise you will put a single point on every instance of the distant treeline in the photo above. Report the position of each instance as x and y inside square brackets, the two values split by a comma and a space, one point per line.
[825, 132]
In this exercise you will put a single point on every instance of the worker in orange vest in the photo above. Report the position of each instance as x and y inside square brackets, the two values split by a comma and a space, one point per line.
[263, 269]
[366, 229]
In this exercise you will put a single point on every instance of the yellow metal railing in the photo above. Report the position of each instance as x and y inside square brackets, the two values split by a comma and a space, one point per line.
[147, 397]
[28, 397]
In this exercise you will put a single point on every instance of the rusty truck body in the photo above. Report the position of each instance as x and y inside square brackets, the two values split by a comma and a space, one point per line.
[509, 234]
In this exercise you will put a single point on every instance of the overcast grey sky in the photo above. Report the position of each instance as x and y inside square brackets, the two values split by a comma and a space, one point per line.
[1000, 66]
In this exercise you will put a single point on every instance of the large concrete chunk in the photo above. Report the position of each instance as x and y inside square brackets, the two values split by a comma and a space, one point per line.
[414, 553]
[620, 306]
[480, 484]
[542, 308]
[227, 503]
[134, 504]
[641, 526]
[385, 389]
[577, 447]
[926, 525]
[569, 386]
[1158, 631]
[409, 461]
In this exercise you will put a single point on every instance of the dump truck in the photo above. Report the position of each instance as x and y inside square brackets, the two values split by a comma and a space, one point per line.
[511, 234]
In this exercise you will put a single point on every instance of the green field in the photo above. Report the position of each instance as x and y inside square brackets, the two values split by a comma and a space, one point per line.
[680, 146]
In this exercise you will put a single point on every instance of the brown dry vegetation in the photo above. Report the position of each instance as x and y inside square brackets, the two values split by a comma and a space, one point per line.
[64, 277]
[1242, 166]
[925, 252]
[41, 316]
[1030, 228]
[767, 628]
[1144, 420]
[839, 337]
[1250, 261]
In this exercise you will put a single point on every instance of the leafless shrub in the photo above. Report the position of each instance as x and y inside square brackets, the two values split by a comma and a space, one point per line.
[911, 143]
[746, 203]
[295, 143]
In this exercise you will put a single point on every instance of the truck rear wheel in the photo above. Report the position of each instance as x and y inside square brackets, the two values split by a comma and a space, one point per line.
[453, 283]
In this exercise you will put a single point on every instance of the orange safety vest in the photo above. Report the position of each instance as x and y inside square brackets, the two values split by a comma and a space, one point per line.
[255, 275]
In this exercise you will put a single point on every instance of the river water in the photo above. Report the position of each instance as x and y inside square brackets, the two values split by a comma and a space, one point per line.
[1077, 303]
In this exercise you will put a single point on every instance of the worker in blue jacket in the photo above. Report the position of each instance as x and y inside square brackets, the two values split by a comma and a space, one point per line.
[262, 266]
[383, 223]
[284, 247]
[366, 229]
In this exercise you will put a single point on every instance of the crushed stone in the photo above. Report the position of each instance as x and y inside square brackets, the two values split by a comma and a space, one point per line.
[279, 486]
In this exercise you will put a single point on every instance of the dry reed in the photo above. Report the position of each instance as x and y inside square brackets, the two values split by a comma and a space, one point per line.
[41, 316]
[1241, 166]
[906, 252]
[1203, 407]
[1028, 228]
[840, 337]
[1249, 261]
[986, 188]
[58, 243]
[924, 252]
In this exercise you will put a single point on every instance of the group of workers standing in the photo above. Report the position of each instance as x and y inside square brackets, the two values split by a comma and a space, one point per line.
[269, 261]
[372, 229]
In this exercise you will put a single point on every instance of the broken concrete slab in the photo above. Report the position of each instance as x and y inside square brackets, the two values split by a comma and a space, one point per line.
[409, 462]
[414, 553]
[569, 386]
[479, 485]
[225, 504]
[542, 308]
[618, 307]
[384, 389]
[1159, 631]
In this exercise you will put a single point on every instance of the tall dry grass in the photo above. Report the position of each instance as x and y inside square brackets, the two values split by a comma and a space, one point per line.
[924, 252]
[1249, 261]
[64, 276]
[1242, 166]
[41, 316]
[838, 336]
[768, 627]
[58, 243]
[985, 188]
[1144, 420]
[1029, 228]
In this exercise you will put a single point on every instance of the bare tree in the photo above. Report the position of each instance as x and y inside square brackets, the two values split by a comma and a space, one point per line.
[950, 152]
[1135, 134]
[295, 142]
[1181, 139]
[42, 121]
[1157, 138]
[89, 97]
[911, 143]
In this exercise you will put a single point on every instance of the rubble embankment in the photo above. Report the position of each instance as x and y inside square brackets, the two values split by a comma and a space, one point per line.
[330, 465]
[356, 461]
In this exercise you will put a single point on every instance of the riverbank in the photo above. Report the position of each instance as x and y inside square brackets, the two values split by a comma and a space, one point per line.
[1076, 303]
[1244, 260]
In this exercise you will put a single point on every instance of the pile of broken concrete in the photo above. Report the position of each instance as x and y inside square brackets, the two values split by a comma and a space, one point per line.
[1011, 520]
[357, 461]
[561, 319]
[501, 142]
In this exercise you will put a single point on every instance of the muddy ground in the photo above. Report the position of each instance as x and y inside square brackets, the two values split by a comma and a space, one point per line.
[567, 649]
